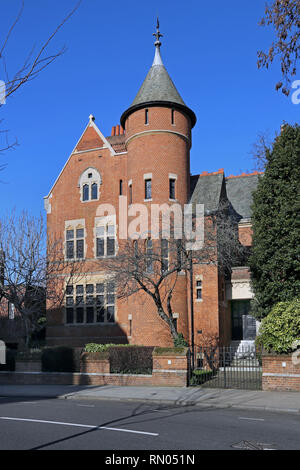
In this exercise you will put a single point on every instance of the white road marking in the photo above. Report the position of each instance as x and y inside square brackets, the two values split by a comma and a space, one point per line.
[79, 425]
[88, 406]
[252, 419]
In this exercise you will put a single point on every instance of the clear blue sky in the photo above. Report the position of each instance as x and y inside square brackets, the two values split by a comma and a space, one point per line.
[209, 50]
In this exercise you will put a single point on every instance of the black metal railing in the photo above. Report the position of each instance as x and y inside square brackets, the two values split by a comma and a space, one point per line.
[227, 367]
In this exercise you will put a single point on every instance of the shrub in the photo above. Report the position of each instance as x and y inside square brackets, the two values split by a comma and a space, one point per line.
[179, 351]
[123, 358]
[131, 360]
[281, 328]
[97, 348]
[180, 341]
[199, 376]
[61, 359]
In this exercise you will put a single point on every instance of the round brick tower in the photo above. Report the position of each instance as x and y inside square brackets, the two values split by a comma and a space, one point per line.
[158, 136]
[158, 140]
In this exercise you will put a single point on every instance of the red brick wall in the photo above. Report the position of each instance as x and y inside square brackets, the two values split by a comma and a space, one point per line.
[245, 235]
[277, 377]
[159, 148]
[206, 312]
[96, 372]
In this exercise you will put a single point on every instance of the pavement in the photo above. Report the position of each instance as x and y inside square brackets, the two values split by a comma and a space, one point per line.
[288, 402]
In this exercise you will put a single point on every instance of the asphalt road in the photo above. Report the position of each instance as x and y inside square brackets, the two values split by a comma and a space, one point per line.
[27, 424]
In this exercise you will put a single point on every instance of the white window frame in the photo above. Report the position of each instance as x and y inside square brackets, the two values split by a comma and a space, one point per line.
[199, 278]
[105, 222]
[75, 225]
[85, 180]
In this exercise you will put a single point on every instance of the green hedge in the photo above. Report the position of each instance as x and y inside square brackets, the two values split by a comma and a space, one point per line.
[179, 351]
[123, 358]
[200, 376]
[99, 348]
[133, 360]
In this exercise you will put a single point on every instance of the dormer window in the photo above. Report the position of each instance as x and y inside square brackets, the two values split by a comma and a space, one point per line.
[89, 184]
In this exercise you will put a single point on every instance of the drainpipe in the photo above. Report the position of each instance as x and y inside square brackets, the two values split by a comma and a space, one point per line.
[192, 311]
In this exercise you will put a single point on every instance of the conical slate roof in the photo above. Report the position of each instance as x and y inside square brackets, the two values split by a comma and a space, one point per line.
[158, 86]
[158, 89]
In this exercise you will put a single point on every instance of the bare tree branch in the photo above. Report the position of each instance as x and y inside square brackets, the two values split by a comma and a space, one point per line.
[33, 64]
[152, 266]
[31, 265]
[284, 16]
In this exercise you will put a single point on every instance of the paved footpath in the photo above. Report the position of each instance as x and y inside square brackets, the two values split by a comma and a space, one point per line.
[288, 402]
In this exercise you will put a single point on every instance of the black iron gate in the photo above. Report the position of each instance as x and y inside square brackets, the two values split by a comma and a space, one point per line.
[226, 367]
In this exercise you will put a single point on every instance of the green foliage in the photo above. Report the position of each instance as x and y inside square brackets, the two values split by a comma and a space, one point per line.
[178, 351]
[95, 348]
[200, 376]
[281, 328]
[123, 358]
[275, 261]
[180, 341]
[133, 360]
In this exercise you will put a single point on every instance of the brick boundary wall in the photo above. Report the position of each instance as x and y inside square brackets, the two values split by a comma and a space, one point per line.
[280, 373]
[169, 370]
[28, 366]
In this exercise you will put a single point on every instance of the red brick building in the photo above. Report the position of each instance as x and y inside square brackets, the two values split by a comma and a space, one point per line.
[146, 159]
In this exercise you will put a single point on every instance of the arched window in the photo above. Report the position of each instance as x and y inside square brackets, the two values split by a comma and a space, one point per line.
[94, 191]
[89, 184]
[85, 192]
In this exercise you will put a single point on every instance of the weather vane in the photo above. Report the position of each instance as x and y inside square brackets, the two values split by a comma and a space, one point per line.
[157, 34]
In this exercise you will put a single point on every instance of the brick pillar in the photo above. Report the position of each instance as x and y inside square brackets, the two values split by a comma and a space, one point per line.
[170, 367]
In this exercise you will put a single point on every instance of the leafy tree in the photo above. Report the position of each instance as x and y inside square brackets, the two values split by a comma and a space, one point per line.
[284, 16]
[275, 260]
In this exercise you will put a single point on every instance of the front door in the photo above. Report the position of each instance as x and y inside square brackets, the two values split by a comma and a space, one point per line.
[243, 324]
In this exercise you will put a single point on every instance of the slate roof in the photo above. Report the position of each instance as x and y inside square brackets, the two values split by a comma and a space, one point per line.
[158, 89]
[158, 86]
[239, 192]
[210, 188]
[207, 189]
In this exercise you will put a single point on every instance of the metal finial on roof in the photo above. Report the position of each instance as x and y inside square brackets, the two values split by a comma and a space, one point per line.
[158, 35]
[158, 88]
